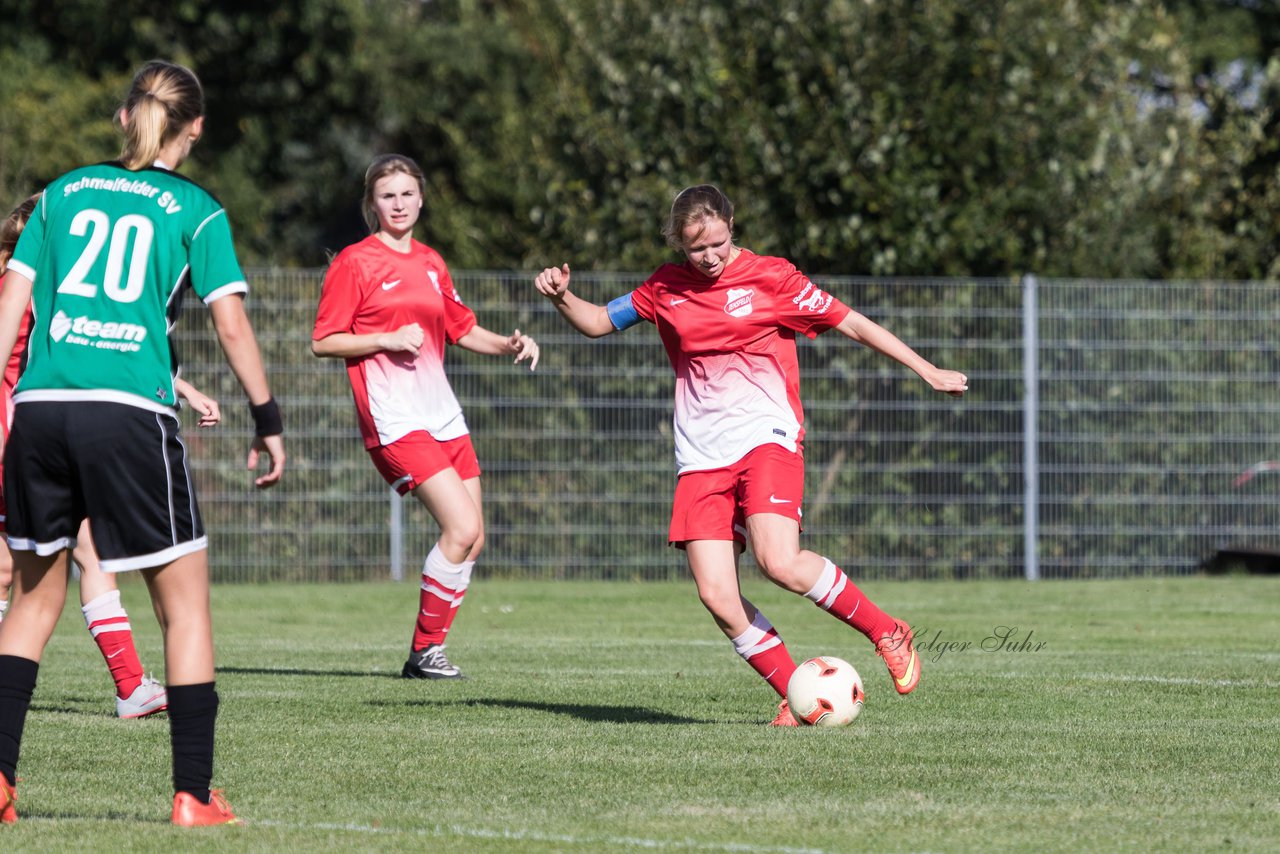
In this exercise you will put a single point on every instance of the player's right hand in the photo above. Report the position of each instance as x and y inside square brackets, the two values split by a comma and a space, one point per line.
[553, 282]
[408, 337]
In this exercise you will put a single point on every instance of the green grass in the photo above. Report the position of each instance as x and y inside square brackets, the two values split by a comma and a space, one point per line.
[614, 717]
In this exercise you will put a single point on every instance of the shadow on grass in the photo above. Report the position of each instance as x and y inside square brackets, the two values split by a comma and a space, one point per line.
[298, 671]
[595, 714]
[113, 815]
[94, 707]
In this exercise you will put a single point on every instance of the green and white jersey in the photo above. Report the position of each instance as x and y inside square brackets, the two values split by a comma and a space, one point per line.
[109, 252]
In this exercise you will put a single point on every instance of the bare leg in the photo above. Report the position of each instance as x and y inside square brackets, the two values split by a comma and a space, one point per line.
[93, 581]
[446, 572]
[6, 569]
[39, 592]
[472, 485]
[180, 593]
[714, 564]
[775, 541]
[450, 503]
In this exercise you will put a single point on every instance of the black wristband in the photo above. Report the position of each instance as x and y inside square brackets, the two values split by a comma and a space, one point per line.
[266, 418]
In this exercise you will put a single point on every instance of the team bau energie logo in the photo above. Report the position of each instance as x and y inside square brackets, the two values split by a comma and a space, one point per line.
[87, 332]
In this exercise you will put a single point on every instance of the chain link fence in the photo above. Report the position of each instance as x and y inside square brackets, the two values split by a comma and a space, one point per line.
[1151, 409]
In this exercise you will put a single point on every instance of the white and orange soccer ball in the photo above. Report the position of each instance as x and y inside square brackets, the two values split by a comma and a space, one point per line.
[825, 691]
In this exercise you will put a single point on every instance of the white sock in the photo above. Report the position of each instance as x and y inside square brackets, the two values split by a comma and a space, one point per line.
[758, 637]
[106, 607]
[437, 568]
[826, 588]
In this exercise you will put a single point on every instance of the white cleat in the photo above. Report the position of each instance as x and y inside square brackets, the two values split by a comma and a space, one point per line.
[147, 699]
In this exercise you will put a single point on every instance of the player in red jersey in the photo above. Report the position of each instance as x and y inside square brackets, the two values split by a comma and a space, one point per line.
[728, 319]
[137, 695]
[388, 308]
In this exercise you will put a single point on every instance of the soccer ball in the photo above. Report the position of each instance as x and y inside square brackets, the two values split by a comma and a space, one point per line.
[825, 691]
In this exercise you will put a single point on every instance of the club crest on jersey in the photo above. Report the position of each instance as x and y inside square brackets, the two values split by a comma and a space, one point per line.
[738, 302]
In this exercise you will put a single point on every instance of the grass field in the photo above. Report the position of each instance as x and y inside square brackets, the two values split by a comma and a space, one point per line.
[1139, 714]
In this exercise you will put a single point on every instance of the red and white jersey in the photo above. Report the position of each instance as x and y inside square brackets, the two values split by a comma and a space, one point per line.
[732, 344]
[372, 288]
[13, 370]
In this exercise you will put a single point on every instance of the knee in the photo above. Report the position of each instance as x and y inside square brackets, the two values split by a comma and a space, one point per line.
[466, 536]
[718, 598]
[778, 565]
[477, 546]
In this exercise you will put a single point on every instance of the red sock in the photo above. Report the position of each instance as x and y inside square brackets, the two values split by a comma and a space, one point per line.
[762, 648]
[440, 580]
[109, 625]
[458, 594]
[839, 596]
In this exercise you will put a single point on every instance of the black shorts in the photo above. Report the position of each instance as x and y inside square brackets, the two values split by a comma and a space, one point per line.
[122, 466]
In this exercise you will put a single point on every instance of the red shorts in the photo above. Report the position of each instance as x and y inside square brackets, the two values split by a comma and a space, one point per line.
[715, 504]
[412, 459]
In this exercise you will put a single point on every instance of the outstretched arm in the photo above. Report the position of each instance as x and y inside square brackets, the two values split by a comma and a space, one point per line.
[481, 340]
[588, 318]
[871, 334]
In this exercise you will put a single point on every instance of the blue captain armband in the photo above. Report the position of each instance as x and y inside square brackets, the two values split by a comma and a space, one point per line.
[622, 313]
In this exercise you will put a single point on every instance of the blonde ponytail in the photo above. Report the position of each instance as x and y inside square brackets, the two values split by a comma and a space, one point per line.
[163, 99]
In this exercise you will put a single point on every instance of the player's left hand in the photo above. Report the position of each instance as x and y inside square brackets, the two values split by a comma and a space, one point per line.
[524, 347]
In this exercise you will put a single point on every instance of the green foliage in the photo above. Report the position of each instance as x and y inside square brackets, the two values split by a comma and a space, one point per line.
[34, 99]
[956, 138]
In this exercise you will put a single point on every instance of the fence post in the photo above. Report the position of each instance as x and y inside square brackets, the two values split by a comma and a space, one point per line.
[397, 536]
[1030, 430]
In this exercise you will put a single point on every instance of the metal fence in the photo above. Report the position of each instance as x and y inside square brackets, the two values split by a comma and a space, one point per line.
[1151, 409]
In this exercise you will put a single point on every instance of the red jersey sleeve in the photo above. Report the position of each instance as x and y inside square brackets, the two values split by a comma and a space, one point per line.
[458, 319]
[340, 297]
[802, 305]
[643, 302]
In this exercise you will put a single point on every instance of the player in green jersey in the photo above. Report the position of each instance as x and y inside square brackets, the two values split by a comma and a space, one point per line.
[103, 264]
[137, 695]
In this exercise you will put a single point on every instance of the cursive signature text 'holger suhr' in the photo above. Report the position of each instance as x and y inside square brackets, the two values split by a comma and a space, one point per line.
[1007, 639]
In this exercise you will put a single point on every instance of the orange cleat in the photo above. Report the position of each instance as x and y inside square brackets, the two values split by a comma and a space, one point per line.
[899, 655]
[8, 802]
[785, 718]
[189, 812]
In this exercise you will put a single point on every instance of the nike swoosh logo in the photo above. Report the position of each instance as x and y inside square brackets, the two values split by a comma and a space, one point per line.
[912, 665]
[773, 500]
[114, 654]
[676, 302]
[386, 286]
